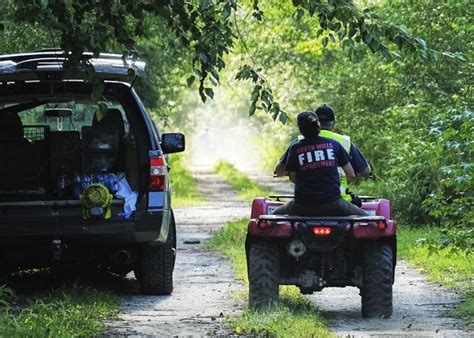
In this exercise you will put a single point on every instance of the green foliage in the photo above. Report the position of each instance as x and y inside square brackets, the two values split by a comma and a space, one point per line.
[64, 312]
[410, 115]
[466, 309]
[262, 97]
[204, 27]
[453, 204]
[450, 267]
[292, 317]
[185, 190]
[247, 188]
[6, 296]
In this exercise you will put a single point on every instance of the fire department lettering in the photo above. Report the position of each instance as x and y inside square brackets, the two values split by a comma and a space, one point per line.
[311, 157]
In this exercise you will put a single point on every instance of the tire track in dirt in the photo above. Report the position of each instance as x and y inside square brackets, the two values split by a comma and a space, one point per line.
[203, 282]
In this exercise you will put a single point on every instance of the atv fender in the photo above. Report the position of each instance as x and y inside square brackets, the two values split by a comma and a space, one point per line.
[281, 229]
[362, 230]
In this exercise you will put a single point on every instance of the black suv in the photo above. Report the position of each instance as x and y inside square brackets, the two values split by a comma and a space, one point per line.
[83, 172]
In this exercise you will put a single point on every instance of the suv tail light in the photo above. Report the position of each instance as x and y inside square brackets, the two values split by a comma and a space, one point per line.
[158, 170]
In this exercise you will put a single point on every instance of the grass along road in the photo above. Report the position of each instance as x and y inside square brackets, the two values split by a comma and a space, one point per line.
[40, 307]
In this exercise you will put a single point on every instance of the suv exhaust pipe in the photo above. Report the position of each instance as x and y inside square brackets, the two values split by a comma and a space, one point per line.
[123, 257]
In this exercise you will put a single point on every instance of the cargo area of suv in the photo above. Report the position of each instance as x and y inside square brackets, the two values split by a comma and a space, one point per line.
[83, 177]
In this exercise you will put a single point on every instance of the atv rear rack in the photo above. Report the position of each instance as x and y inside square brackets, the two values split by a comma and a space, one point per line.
[279, 197]
[355, 218]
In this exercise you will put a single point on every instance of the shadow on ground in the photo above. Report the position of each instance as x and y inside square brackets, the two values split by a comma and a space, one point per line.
[36, 281]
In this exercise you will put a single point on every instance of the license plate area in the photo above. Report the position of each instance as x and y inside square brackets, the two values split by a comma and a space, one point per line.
[322, 235]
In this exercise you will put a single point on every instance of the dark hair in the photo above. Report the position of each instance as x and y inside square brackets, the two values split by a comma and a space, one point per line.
[325, 113]
[308, 123]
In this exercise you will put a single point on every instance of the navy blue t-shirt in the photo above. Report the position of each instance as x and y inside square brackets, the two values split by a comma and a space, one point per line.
[315, 163]
[358, 160]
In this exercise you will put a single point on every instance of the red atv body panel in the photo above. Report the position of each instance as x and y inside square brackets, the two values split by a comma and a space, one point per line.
[377, 224]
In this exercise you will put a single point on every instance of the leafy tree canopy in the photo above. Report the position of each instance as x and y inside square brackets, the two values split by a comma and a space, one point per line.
[205, 27]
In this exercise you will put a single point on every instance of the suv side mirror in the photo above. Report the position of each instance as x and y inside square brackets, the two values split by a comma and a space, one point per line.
[172, 143]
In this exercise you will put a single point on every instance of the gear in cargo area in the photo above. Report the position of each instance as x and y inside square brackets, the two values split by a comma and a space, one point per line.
[96, 201]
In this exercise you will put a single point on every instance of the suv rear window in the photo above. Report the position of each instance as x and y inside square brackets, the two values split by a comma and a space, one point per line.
[37, 120]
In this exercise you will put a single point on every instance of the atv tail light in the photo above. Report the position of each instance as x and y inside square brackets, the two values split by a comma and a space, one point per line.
[158, 170]
[381, 225]
[262, 224]
[322, 231]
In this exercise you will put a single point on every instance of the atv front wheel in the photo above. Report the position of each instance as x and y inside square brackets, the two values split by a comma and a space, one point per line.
[377, 281]
[155, 267]
[264, 275]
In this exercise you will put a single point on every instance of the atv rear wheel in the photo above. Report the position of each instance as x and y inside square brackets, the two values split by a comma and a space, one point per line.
[377, 281]
[264, 275]
[155, 267]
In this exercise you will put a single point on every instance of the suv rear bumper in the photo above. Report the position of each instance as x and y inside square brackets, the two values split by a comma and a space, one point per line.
[142, 227]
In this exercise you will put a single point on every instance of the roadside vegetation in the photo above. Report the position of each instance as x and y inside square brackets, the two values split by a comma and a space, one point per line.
[246, 188]
[292, 317]
[449, 267]
[185, 187]
[68, 311]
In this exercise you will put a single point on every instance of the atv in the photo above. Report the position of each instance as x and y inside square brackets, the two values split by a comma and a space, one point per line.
[313, 253]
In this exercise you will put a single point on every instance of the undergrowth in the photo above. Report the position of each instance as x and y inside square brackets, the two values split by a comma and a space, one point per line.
[294, 316]
[68, 311]
[247, 188]
[449, 267]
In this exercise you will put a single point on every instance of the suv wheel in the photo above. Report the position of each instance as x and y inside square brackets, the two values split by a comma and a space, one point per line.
[264, 274]
[377, 281]
[156, 265]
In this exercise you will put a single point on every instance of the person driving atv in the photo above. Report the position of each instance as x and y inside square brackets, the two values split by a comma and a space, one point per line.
[312, 164]
[327, 119]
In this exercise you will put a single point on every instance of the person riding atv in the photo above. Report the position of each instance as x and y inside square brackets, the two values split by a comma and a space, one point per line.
[312, 164]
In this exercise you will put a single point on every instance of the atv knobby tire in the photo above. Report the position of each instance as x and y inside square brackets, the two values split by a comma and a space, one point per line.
[264, 275]
[156, 264]
[377, 281]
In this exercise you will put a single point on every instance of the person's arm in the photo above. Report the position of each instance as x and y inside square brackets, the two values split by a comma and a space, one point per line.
[359, 163]
[292, 175]
[344, 161]
[365, 172]
[280, 169]
[349, 171]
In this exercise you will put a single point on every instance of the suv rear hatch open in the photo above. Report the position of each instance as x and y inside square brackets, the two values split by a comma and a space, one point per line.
[56, 140]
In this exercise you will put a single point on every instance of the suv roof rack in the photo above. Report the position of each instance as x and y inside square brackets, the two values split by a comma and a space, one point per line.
[48, 64]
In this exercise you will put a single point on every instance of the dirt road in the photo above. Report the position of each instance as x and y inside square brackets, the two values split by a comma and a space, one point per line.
[204, 283]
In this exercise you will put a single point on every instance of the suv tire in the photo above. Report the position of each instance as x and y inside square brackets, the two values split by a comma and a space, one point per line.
[377, 281]
[156, 265]
[264, 275]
